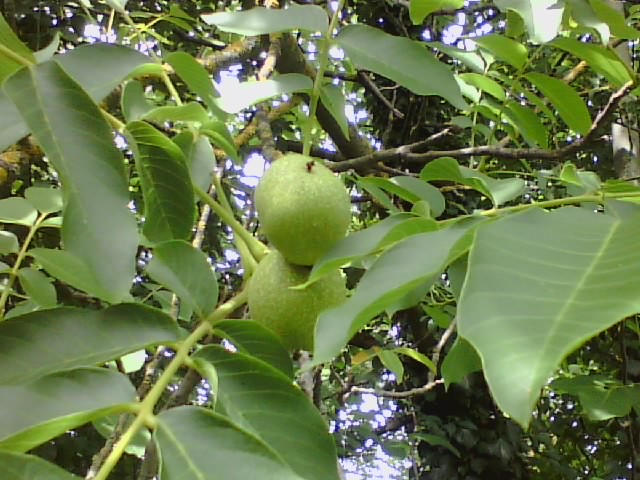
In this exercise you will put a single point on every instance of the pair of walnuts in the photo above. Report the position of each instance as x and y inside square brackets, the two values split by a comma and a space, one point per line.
[304, 210]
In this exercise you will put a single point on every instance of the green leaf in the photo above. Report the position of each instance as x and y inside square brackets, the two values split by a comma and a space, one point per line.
[196, 78]
[410, 189]
[243, 95]
[256, 340]
[38, 286]
[47, 407]
[602, 60]
[417, 356]
[45, 199]
[615, 20]
[13, 53]
[186, 271]
[566, 101]
[397, 272]
[420, 9]
[264, 401]
[188, 112]
[583, 13]
[576, 276]
[461, 360]
[504, 48]
[134, 103]
[542, 17]
[262, 21]
[447, 168]
[202, 162]
[17, 210]
[169, 208]
[437, 441]
[391, 362]
[49, 51]
[364, 242]
[484, 83]
[333, 99]
[47, 341]
[70, 269]
[207, 446]
[12, 127]
[8, 243]
[402, 60]
[219, 133]
[106, 425]
[18, 466]
[99, 229]
[527, 123]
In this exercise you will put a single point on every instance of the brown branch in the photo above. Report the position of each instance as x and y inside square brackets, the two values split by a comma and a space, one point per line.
[402, 394]
[407, 152]
[373, 88]
[272, 57]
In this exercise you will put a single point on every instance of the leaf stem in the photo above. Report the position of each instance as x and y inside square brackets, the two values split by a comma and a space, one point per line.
[317, 84]
[13, 273]
[15, 57]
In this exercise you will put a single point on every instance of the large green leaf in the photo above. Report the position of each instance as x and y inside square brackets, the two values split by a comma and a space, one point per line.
[603, 60]
[12, 126]
[17, 210]
[614, 19]
[198, 444]
[40, 410]
[245, 94]
[460, 361]
[566, 101]
[47, 341]
[262, 21]
[256, 340]
[18, 466]
[169, 208]
[99, 229]
[186, 271]
[38, 286]
[583, 13]
[539, 284]
[504, 48]
[420, 9]
[13, 53]
[484, 83]
[542, 17]
[402, 60]
[527, 122]
[264, 401]
[405, 266]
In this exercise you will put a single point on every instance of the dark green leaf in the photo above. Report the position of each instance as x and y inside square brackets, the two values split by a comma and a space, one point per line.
[186, 271]
[262, 21]
[504, 48]
[542, 17]
[13, 53]
[333, 100]
[99, 229]
[47, 341]
[202, 162]
[527, 123]
[461, 360]
[18, 466]
[134, 103]
[188, 112]
[258, 341]
[420, 9]
[402, 60]
[44, 408]
[17, 210]
[46, 200]
[8, 243]
[38, 286]
[169, 206]
[264, 401]
[523, 321]
[201, 444]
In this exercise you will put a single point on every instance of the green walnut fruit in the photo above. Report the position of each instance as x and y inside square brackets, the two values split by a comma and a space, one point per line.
[291, 314]
[304, 209]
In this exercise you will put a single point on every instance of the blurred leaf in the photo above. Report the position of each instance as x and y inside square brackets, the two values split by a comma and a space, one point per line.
[8, 243]
[240, 96]
[106, 425]
[542, 17]
[256, 340]
[17, 210]
[437, 441]
[18, 466]
[99, 229]
[396, 272]
[134, 103]
[49, 51]
[461, 360]
[615, 20]
[262, 21]
[47, 407]
[410, 189]
[402, 60]
[13, 53]
[417, 356]
[47, 341]
[576, 276]
[391, 362]
[420, 9]
[38, 286]
[188, 112]
[169, 207]
[583, 13]
[202, 162]
[186, 271]
[265, 402]
[219, 133]
[208, 446]
[45, 199]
